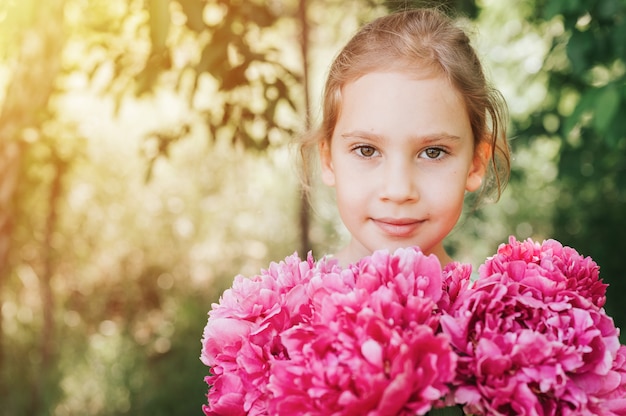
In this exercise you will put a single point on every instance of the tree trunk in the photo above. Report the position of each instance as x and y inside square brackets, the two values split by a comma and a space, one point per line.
[10, 161]
[33, 76]
[305, 216]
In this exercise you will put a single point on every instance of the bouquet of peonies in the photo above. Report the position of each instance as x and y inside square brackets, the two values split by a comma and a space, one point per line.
[394, 334]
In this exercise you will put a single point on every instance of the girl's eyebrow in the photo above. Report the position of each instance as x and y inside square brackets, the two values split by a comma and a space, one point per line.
[438, 137]
[427, 138]
[360, 133]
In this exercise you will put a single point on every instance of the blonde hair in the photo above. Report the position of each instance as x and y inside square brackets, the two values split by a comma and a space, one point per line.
[411, 41]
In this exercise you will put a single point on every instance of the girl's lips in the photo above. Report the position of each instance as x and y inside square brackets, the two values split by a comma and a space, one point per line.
[401, 227]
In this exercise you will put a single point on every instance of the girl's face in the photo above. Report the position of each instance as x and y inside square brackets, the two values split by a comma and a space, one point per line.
[400, 159]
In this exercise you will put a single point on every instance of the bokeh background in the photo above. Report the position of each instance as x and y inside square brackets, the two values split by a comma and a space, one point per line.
[145, 160]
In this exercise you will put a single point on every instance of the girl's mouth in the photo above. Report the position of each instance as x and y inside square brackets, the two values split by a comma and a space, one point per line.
[398, 227]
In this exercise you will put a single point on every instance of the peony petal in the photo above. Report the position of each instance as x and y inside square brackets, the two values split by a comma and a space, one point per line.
[373, 352]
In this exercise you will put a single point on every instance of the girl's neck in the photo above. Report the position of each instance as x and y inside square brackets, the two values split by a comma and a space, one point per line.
[349, 255]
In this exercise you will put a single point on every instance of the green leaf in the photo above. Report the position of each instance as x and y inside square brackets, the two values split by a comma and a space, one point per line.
[572, 6]
[235, 77]
[606, 104]
[551, 9]
[446, 411]
[194, 9]
[585, 103]
[615, 133]
[260, 14]
[619, 34]
[214, 54]
[159, 11]
[578, 48]
[607, 9]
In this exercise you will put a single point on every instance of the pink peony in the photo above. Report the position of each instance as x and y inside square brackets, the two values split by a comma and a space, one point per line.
[456, 280]
[369, 347]
[394, 334]
[242, 334]
[532, 337]
[548, 268]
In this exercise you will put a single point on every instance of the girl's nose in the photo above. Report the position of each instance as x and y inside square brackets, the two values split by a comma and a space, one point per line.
[398, 182]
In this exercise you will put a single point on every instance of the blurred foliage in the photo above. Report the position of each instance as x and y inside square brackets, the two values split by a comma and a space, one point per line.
[584, 110]
[466, 8]
[236, 46]
[144, 163]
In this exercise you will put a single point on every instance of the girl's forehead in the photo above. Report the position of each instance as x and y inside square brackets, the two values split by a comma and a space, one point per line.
[407, 75]
[397, 104]
[411, 70]
[416, 68]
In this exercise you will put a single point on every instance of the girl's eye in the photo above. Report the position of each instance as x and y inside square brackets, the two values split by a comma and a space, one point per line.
[433, 153]
[365, 151]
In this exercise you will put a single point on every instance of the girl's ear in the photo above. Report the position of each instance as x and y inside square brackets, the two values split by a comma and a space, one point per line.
[328, 171]
[478, 168]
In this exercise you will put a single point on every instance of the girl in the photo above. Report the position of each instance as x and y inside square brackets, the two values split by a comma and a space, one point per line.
[410, 124]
